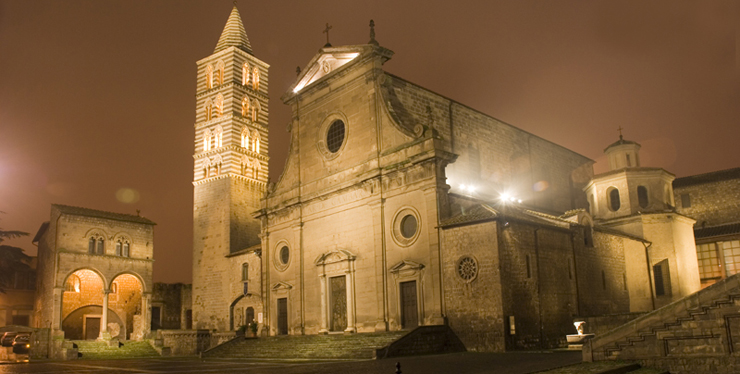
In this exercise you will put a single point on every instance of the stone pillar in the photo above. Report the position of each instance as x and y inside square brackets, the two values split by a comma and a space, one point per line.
[104, 334]
[146, 313]
[56, 309]
[324, 325]
[350, 301]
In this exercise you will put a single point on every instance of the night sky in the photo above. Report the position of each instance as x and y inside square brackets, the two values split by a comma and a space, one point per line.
[97, 98]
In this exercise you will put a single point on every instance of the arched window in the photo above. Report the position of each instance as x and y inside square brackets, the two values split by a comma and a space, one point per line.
[245, 107]
[256, 141]
[256, 78]
[101, 246]
[245, 137]
[256, 107]
[256, 169]
[219, 137]
[245, 272]
[126, 250]
[91, 246]
[642, 196]
[220, 68]
[209, 76]
[119, 246]
[207, 140]
[206, 167]
[72, 284]
[217, 162]
[219, 106]
[245, 165]
[614, 202]
[245, 74]
[122, 247]
[209, 109]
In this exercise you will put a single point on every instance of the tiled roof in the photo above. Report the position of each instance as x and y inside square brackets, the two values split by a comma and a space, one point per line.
[715, 176]
[477, 213]
[234, 34]
[707, 232]
[102, 214]
[484, 212]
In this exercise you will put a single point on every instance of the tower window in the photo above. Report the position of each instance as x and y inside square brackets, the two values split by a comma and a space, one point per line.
[629, 161]
[219, 106]
[614, 203]
[218, 137]
[256, 78]
[207, 140]
[642, 196]
[256, 141]
[245, 74]
[220, 68]
[209, 77]
[245, 138]
[256, 110]
[245, 271]
[245, 107]
[529, 270]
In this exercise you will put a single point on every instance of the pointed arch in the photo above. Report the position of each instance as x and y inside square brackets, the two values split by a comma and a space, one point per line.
[245, 164]
[220, 72]
[206, 167]
[256, 78]
[256, 108]
[256, 167]
[256, 141]
[209, 76]
[218, 135]
[245, 74]
[219, 106]
[208, 107]
[217, 162]
[245, 137]
[245, 107]
[207, 140]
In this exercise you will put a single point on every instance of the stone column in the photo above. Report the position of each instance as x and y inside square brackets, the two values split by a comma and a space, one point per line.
[104, 334]
[56, 308]
[350, 301]
[324, 324]
[146, 313]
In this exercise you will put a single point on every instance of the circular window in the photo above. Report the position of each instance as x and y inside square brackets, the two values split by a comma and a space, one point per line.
[284, 254]
[406, 226]
[281, 256]
[467, 268]
[335, 136]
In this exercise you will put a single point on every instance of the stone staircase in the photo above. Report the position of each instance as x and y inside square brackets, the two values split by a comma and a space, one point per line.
[95, 350]
[697, 334]
[354, 346]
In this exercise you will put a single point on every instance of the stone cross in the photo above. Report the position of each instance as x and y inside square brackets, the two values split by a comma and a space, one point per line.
[372, 33]
[326, 31]
[620, 131]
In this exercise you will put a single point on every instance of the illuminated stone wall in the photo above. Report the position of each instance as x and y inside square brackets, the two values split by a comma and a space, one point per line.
[714, 197]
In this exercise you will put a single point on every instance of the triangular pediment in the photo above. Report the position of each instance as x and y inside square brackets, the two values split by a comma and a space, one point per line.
[334, 256]
[406, 265]
[325, 63]
[281, 286]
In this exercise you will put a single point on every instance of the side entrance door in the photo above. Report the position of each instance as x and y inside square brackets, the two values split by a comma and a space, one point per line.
[409, 310]
[282, 316]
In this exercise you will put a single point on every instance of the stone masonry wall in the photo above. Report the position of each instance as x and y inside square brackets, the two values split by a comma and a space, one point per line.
[712, 203]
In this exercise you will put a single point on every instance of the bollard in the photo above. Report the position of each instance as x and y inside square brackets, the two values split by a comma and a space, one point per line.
[398, 368]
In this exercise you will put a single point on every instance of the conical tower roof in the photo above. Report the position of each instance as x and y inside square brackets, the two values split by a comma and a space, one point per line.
[234, 34]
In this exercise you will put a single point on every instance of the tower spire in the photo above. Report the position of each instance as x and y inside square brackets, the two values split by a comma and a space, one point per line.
[234, 34]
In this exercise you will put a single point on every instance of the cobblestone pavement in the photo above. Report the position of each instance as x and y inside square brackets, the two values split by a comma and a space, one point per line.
[458, 363]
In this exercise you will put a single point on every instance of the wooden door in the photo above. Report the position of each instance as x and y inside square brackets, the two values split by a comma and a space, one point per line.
[282, 316]
[409, 309]
[92, 328]
[338, 303]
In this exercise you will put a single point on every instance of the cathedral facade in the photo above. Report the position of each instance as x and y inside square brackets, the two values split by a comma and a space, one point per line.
[399, 207]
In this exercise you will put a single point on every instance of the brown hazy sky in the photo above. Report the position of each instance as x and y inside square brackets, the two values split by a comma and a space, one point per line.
[96, 96]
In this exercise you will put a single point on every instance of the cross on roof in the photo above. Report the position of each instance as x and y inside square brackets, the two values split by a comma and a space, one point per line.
[620, 131]
[326, 31]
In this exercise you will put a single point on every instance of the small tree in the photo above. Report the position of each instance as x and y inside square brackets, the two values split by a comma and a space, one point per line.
[12, 259]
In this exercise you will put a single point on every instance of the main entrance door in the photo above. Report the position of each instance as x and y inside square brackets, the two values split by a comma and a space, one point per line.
[338, 303]
[282, 316]
[92, 328]
[409, 310]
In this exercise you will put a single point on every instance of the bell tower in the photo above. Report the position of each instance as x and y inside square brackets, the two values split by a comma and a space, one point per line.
[229, 169]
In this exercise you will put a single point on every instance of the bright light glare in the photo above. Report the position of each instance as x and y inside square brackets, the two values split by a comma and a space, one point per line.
[505, 196]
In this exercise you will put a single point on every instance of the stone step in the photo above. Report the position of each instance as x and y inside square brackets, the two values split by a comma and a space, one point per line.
[306, 346]
[95, 350]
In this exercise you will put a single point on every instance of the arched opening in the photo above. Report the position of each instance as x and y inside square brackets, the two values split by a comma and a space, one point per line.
[125, 301]
[642, 196]
[613, 197]
[82, 305]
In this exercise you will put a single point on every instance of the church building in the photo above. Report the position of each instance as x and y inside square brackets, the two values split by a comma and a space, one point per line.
[399, 207]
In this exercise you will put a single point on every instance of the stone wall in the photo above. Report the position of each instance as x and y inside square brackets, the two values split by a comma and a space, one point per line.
[714, 197]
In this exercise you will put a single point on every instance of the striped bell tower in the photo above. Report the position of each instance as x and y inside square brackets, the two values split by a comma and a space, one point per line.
[229, 169]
